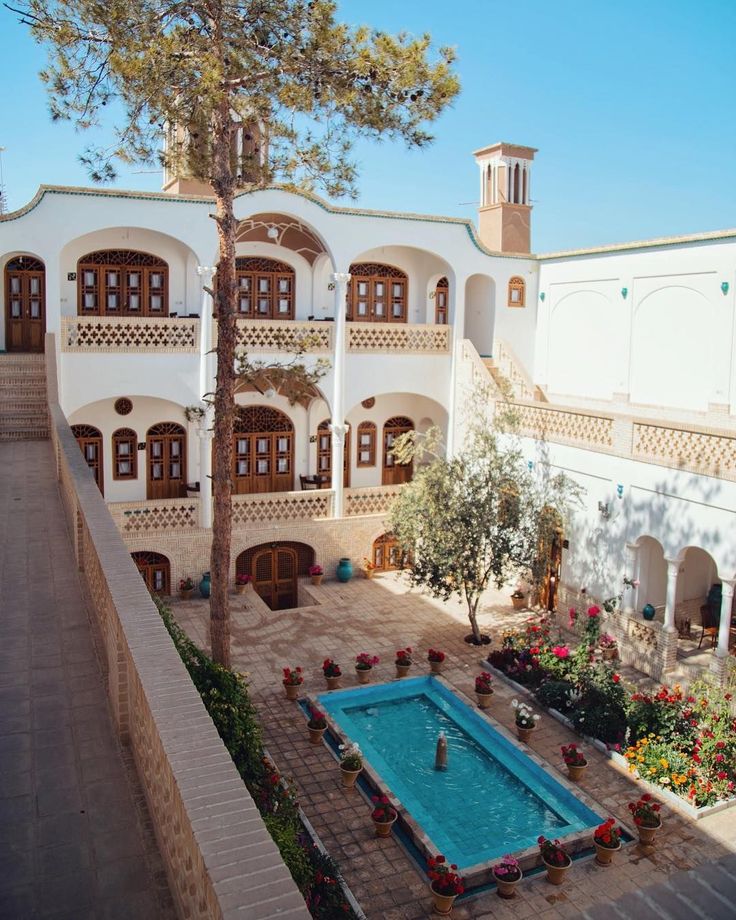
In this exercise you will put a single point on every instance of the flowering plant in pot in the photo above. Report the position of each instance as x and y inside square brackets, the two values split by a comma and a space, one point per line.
[292, 680]
[435, 658]
[364, 664]
[555, 858]
[332, 673]
[444, 882]
[187, 587]
[608, 645]
[403, 661]
[383, 815]
[241, 582]
[368, 567]
[607, 839]
[647, 818]
[507, 874]
[317, 725]
[351, 763]
[518, 599]
[574, 759]
[316, 572]
[484, 689]
[526, 720]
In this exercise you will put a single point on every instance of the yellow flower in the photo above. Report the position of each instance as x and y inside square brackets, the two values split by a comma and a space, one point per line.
[652, 769]
[664, 763]
[640, 758]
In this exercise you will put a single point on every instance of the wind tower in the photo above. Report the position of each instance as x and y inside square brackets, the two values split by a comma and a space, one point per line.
[504, 213]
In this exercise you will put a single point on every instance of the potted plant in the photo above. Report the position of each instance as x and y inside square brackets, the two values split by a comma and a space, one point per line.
[315, 573]
[555, 858]
[647, 818]
[292, 680]
[317, 725]
[518, 599]
[351, 763]
[364, 664]
[383, 815]
[507, 875]
[484, 689]
[575, 760]
[242, 582]
[607, 839]
[444, 883]
[368, 567]
[608, 647]
[332, 673]
[435, 658]
[344, 570]
[526, 720]
[403, 661]
[187, 587]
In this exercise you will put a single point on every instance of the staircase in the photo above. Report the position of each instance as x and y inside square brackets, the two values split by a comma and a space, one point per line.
[23, 408]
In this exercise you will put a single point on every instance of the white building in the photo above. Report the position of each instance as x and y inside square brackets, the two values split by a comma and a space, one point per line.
[622, 357]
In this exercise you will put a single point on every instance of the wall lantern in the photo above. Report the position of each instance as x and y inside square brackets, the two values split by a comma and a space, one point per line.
[624, 293]
[724, 287]
[530, 464]
[542, 296]
[620, 490]
[432, 295]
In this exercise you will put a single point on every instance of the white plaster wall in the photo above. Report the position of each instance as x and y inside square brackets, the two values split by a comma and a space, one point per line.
[652, 574]
[381, 374]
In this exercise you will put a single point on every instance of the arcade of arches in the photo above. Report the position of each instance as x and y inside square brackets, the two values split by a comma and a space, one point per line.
[275, 569]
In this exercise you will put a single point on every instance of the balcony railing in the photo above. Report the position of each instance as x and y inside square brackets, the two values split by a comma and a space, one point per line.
[284, 335]
[370, 500]
[129, 334]
[277, 507]
[398, 338]
[155, 515]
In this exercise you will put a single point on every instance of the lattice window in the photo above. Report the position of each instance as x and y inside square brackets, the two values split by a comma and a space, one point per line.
[124, 454]
[377, 293]
[156, 571]
[123, 406]
[441, 301]
[121, 282]
[366, 444]
[24, 264]
[265, 288]
[251, 419]
[369, 403]
[517, 292]
[90, 443]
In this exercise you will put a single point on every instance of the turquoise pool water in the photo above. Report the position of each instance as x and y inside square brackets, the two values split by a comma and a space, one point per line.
[492, 800]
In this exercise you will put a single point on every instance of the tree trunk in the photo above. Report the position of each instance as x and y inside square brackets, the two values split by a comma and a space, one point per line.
[223, 184]
[473, 617]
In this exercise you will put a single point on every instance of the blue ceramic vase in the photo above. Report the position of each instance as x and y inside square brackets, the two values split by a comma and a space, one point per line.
[344, 570]
[648, 611]
[204, 585]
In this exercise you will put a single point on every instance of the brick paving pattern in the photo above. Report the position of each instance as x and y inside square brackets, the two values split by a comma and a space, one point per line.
[75, 837]
[378, 617]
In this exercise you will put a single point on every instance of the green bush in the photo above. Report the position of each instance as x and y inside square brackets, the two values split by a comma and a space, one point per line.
[556, 694]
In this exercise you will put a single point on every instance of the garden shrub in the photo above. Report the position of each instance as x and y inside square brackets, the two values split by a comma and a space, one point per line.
[556, 694]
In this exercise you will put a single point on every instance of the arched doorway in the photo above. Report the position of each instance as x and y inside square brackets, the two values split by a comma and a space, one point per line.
[155, 570]
[25, 304]
[265, 288]
[166, 448]
[549, 560]
[90, 443]
[377, 293]
[263, 451]
[275, 569]
[441, 301]
[324, 454]
[386, 553]
[394, 472]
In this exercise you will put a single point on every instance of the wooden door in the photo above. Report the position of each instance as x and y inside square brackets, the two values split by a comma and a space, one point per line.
[25, 309]
[275, 576]
[90, 443]
[324, 455]
[263, 451]
[377, 294]
[155, 570]
[553, 571]
[394, 472]
[386, 553]
[165, 461]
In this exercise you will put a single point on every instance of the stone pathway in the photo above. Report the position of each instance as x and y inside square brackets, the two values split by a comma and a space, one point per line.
[378, 617]
[75, 838]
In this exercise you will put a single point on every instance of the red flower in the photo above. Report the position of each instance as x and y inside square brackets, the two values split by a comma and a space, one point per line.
[593, 611]
[616, 678]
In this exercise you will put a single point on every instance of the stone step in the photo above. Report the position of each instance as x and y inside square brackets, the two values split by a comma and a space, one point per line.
[25, 434]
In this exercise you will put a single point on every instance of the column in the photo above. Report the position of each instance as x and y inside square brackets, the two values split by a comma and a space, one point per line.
[207, 360]
[673, 568]
[724, 628]
[337, 426]
[631, 571]
[205, 435]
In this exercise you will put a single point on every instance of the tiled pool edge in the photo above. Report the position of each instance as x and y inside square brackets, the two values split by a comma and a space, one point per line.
[676, 802]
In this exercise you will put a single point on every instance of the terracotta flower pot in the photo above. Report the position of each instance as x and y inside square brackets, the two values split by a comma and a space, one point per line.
[364, 675]
[348, 778]
[316, 735]
[556, 874]
[292, 691]
[518, 602]
[604, 855]
[186, 594]
[240, 589]
[368, 573]
[436, 667]
[383, 828]
[576, 773]
[333, 683]
[609, 654]
[442, 902]
[484, 699]
[646, 834]
[524, 734]
[506, 888]
[317, 579]
[402, 670]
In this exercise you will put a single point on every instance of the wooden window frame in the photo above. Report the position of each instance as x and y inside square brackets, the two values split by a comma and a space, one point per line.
[516, 285]
[124, 262]
[88, 434]
[257, 269]
[395, 473]
[147, 562]
[254, 424]
[442, 302]
[120, 437]
[372, 274]
[167, 486]
[371, 431]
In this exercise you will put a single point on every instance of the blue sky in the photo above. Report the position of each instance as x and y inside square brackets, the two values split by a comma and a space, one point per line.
[630, 104]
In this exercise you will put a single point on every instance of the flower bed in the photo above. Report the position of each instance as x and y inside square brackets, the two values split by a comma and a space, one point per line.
[682, 744]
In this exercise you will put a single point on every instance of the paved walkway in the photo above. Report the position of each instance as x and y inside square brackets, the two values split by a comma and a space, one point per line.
[378, 617]
[75, 840]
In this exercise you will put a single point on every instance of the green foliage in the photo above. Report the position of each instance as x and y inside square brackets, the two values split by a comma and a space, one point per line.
[286, 835]
[556, 694]
[600, 710]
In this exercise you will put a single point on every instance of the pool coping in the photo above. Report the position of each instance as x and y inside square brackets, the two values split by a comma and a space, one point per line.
[478, 877]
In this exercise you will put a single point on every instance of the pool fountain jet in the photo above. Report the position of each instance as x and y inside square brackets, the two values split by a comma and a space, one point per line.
[440, 756]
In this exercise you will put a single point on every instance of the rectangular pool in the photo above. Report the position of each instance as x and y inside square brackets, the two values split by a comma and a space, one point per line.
[492, 799]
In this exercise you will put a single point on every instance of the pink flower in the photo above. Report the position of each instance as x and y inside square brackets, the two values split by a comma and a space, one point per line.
[593, 611]
[561, 651]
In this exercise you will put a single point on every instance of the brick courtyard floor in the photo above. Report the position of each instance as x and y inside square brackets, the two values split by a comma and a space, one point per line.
[379, 616]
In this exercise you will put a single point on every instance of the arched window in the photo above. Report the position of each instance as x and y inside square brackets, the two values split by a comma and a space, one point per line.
[90, 443]
[516, 292]
[377, 293]
[124, 454]
[263, 451]
[516, 198]
[324, 454]
[156, 571]
[386, 553]
[25, 304]
[441, 298]
[265, 288]
[121, 282]
[393, 471]
[366, 444]
[166, 461]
